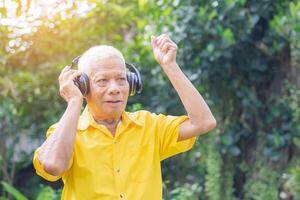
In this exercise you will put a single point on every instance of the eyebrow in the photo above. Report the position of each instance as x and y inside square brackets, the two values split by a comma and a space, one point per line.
[98, 76]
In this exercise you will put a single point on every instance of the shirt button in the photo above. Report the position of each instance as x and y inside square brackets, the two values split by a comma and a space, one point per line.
[118, 170]
[115, 142]
[122, 196]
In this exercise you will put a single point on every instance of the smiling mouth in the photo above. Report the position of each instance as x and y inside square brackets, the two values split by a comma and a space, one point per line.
[113, 101]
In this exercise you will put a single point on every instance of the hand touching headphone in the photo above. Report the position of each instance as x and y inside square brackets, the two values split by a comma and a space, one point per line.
[132, 74]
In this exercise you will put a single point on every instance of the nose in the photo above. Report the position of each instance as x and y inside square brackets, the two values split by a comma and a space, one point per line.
[113, 88]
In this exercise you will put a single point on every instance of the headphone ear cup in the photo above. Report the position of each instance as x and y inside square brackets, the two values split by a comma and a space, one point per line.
[131, 83]
[134, 79]
[139, 85]
[83, 83]
[134, 82]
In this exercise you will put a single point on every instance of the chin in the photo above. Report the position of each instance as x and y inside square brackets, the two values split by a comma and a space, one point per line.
[114, 112]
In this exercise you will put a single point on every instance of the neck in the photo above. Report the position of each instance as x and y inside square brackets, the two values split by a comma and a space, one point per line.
[108, 122]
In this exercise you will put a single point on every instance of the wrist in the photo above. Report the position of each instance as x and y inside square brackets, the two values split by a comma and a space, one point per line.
[170, 67]
[75, 101]
[167, 65]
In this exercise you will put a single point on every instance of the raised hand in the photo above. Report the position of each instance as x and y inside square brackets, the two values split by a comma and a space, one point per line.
[67, 89]
[164, 50]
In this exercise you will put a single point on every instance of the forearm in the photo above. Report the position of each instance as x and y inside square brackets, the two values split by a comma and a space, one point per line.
[200, 119]
[194, 104]
[56, 151]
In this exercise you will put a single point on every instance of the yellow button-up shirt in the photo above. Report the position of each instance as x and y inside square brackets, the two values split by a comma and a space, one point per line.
[127, 166]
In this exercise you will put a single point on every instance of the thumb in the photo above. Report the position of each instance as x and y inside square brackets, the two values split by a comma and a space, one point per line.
[153, 38]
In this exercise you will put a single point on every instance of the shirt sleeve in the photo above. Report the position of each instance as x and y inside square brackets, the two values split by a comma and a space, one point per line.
[168, 130]
[39, 168]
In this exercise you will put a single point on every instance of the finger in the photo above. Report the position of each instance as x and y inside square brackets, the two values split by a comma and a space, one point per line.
[167, 46]
[66, 68]
[161, 37]
[165, 40]
[70, 71]
[158, 39]
[74, 75]
[153, 40]
[67, 74]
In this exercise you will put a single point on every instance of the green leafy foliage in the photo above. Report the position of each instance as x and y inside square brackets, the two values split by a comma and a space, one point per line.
[46, 193]
[213, 175]
[14, 192]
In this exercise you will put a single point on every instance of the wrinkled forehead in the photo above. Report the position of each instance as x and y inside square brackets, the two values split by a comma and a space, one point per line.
[101, 57]
[110, 64]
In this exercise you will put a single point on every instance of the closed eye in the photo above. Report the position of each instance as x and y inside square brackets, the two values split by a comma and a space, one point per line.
[102, 81]
[121, 80]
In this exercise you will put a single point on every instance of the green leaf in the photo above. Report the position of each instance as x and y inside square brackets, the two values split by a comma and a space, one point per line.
[14, 192]
[46, 193]
[212, 15]
[228, 36]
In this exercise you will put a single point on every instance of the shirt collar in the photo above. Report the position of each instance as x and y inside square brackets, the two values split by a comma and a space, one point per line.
[86, 119]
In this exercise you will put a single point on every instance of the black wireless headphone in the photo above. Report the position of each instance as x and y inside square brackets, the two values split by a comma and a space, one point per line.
[132, 73]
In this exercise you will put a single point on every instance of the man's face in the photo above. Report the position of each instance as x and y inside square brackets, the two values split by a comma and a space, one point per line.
[109, 88]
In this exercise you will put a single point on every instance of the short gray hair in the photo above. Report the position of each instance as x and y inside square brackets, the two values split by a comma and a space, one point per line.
[97, 53]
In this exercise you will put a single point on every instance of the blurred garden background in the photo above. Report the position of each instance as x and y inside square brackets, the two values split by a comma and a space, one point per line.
[242, 55]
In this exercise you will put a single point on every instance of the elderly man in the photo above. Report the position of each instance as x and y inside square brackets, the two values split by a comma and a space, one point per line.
[107, 153]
